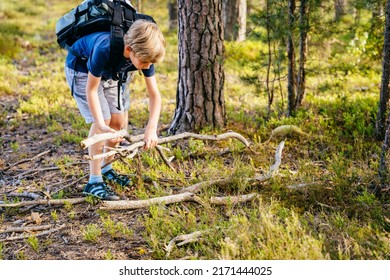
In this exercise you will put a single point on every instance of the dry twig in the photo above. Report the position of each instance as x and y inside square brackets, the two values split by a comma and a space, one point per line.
[26, 160]
[27, 229]
[183, 239]
[225, 200]
[45, 202]
[23, 236]
[163, 200]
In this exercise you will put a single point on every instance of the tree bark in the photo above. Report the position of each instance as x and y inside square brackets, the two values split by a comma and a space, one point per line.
[172, 11]
[384, 165]
[199, 96]
[339, 8]
[384, 91]
[291, 60]
[234, 19]
[138, 5]
[304, 28]
[270, 90]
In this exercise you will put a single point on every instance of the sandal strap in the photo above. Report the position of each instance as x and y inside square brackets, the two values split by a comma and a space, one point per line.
[99, 189]
[111, 175]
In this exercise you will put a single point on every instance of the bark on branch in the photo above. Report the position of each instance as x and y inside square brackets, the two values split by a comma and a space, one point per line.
[45, 202]
[183, 239]
[261, 178]
[139, 143]
[24, 236]
[136, 204]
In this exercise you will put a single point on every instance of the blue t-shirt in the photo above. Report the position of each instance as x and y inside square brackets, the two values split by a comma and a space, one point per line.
[96, 48]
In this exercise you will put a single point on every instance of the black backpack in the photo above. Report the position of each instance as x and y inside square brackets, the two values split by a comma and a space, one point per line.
[92, 16]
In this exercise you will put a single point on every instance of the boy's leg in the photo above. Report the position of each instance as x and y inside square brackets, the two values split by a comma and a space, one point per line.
[95, 186]
[110, 89]
[116, 123]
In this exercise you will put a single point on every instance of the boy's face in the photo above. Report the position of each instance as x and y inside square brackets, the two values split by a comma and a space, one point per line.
[139, 64]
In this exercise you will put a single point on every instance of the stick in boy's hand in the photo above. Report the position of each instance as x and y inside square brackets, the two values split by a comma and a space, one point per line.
[107, 136]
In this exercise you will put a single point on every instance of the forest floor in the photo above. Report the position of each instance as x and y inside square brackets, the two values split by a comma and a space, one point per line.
[33, 168]
[319, 206]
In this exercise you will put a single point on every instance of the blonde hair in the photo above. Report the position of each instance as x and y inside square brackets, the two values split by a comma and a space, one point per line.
[146, 41]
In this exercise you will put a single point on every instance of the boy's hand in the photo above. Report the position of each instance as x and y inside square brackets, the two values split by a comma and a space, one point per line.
[105, 128]
[150, 138]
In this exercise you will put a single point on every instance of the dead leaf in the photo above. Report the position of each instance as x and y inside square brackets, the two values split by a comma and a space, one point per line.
[36, 218]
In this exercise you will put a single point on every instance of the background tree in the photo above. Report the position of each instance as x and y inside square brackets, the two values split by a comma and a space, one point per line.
[234, 19]
[199, 96]
[172, 12]
[384, 160]
[339, 7]
[303, 32]
[384, 92]
[291, 73]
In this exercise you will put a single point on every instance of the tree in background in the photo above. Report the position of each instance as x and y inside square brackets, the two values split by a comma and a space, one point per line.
[199, 96]
[303, 47]
[172, 12]
[234, 19]
[384, 160]
[291, 73]
[285, 28]
[384, 91]
[339, 8]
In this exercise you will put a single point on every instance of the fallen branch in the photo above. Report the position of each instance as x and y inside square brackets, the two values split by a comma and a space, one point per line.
[45, 202]
[167, 162]
[303, 185]
[69, 182]
[24, 194]
[261, 178]
[226, 200]
[26, 160]
[23, 229]
[182, 197]
[23, 236]
[137, 204]
[274, 168]
[106, 136]
[183, 239]
[198, 186]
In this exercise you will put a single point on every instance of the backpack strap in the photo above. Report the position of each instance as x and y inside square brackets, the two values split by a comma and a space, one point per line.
[116, 46]
[75, 53]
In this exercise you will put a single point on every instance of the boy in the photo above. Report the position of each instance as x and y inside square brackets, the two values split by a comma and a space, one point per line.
[96, 94]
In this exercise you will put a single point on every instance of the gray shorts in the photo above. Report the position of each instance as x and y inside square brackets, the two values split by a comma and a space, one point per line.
[107, 91]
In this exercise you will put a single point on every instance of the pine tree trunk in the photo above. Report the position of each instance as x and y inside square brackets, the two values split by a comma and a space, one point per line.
[291, 91]
[199, 96]
[304, 28]
[339, 8]
[234, 19]
[270, 90]
[139, 6]
[172, 11]
[384, 94]
[384, 161]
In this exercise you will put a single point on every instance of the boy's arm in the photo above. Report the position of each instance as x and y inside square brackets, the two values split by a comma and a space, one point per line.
[94, 103]
[154, 112]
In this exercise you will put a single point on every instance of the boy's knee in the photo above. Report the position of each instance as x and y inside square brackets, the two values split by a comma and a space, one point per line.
[117, 123]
